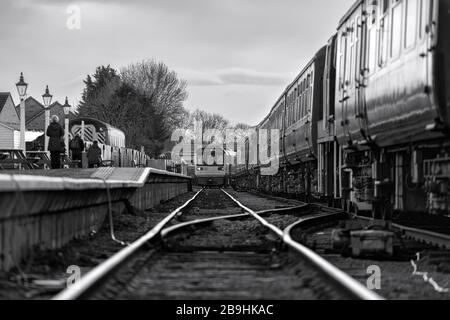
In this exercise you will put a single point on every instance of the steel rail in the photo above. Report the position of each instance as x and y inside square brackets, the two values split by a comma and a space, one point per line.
[284, 210]
[166, 232]
[270, 226]
[441, 240]
[346, 283]
[102, 271]
[423, 235]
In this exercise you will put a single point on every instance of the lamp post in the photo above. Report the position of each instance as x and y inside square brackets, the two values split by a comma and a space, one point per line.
[22, 90]
[47, 98]
[66, 108]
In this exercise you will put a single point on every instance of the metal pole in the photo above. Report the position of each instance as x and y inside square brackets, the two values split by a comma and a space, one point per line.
[22, 124]
[66, 134]
[47, 123]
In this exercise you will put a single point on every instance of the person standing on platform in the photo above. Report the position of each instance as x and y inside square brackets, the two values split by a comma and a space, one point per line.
[95, 156]
[77, 147]
[55, 144]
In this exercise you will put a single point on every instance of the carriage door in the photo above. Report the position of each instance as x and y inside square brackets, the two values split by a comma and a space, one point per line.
[428, 33]
[360, 46]
[343, 89]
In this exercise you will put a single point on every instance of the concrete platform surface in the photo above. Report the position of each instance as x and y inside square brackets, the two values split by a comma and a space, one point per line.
[76, 179]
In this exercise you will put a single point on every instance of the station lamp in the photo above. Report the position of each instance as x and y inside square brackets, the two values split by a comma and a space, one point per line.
[22, 86]
[67, 107]
[47, 97]
[22, 90]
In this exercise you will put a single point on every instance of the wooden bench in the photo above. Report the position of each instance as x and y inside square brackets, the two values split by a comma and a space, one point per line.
[13, 159]
[39, 158]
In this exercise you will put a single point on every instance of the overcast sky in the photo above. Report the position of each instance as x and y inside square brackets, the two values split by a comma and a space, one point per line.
[237, 55]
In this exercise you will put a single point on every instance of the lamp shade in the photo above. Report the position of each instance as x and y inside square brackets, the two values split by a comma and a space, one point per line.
[67, 107]
[47, 97]
[22, 86]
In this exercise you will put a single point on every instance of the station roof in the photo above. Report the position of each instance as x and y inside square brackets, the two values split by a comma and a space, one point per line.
[3, 98]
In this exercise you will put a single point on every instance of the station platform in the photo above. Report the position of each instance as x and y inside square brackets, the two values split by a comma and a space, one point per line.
[49, 208]
[69, 179]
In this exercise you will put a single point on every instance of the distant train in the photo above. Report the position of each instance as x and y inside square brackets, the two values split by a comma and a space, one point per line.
[111, 140]
[211, 172]
[365, 126]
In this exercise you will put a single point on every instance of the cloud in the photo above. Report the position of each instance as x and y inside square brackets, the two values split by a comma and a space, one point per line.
[233, 76]
[234, 53]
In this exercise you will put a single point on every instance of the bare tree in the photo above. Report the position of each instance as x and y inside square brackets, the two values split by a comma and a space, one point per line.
[209, 120]
[162, 86]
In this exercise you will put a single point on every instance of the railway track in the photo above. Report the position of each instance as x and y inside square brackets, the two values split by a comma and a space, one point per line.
[213, 247]
[433, 234]
[433, 231]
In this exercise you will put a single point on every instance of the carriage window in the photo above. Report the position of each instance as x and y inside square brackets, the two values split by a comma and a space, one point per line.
[302, 101]
[308, 84]
[295, 104]
[383, 41]
[357, 48]
[384, 6]
[425, 16]
[294, 94]
[311, 80]
[422, 16]
[396, 38]
[411, 22]
[350, 50]
[301, 105]
[352, 63]
[291, 111]
[305, 106]
[306, 97]
[288, 111]
[293, 107]
[299, 101]
[372, 50]
[342, 66]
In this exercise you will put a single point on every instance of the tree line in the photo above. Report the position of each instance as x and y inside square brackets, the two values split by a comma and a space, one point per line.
[145, 100]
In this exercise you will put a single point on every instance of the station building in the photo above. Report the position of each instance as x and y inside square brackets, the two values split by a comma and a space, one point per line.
[9, 123]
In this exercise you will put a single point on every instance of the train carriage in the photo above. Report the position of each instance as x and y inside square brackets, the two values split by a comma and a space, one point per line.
[269, 152]
[303, 111]
[392, 105]
[369, 117]
[111, 141]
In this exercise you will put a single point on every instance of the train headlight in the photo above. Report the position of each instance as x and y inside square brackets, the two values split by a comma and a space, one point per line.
[220, 168]
[199, 169]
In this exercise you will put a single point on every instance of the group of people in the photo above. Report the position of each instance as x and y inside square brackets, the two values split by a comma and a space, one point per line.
[56, 146]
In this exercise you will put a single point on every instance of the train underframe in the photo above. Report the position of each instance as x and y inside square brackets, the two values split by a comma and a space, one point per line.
[383, 182]
[406, 179]
[210, 181]
[296, 181]
[376, 182]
